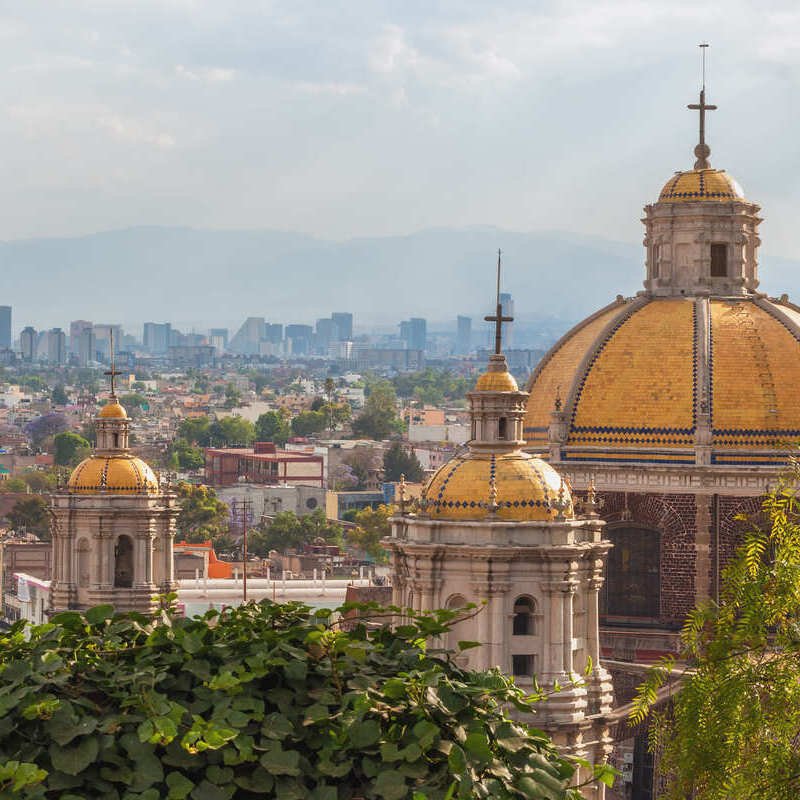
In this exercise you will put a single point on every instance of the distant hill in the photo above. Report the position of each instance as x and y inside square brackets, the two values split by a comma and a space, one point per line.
[204, 278]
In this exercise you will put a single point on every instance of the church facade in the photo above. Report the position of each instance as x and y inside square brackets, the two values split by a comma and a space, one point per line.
[113, 527]
[680, 403]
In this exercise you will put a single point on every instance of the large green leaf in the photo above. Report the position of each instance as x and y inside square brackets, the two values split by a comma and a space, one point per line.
[74, 758]
[390, 785]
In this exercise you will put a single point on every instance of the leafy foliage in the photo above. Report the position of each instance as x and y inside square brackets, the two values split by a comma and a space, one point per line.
[732, 730]
[32, 513]
[186, 456]
[309, 422]
[39, 429]
[58, 397]
[70, 448]
[432, 386]
[288, 531]
[379, 418]
[203, 515]
[259, 701]
[372, 525]
[273, 426]
[397, 461]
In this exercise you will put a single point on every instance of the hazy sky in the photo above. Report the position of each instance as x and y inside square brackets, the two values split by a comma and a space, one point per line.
[357, 118]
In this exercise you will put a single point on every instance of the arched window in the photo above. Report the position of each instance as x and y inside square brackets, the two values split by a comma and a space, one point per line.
[633, 574]
[523, 623]
[123, 562]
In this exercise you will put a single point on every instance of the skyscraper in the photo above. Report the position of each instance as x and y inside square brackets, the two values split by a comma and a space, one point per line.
[156, 337]
[56, 346]
[343, 320]
[27, 343]
[5, 327]
[414, 332]
[463, 336]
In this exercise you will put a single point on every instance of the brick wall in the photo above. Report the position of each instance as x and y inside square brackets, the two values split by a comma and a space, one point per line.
[674, 516]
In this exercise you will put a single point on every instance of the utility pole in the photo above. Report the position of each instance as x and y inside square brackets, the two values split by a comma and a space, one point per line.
[241, 512]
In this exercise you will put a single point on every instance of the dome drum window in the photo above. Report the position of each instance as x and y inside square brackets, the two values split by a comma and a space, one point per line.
[719, 260]
[523, 622]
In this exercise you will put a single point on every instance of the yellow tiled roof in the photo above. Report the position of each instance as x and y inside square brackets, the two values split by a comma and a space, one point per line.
[698, 185]
[496, 382]
[639, 388]
[527, 489]
[555, 376]
[113, 410]
[119, 474]
[756, 372]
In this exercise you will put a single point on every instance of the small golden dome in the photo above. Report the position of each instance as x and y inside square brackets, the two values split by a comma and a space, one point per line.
[698, 185]
[113, 410]
[118, 474]
[496, 382]
[527, 489]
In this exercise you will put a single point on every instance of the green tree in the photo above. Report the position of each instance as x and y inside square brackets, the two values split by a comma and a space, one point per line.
[40, 481]
[733, 724]
[307, 423]
[233, 397]
[360, 462]
[287, 531]
[203, 515]
[397, 461]
[372, 525]
[133, 400]
[196, 430]
[59, 395]
[70, 448]
[277, 701]
[273, 426]
[187, 456]
[13, 486]
[31, 513]
[230, 431]
[379, 418]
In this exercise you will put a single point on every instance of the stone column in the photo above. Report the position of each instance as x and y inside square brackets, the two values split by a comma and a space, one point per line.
[702, 581]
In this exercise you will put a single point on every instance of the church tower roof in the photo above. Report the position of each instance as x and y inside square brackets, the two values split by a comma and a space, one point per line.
[494, 478]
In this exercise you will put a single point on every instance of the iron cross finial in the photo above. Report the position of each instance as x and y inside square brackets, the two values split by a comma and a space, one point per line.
[498, 318]
[702, 151]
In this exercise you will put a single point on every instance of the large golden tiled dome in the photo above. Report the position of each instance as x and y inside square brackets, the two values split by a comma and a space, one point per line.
[633, 381]
[697, 185]
[117, 474]
[527, 489]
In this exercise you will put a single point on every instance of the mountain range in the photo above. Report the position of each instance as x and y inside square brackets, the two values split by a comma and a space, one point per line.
[206, 278]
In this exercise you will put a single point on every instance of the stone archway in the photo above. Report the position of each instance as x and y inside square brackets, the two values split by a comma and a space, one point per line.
[123, 562]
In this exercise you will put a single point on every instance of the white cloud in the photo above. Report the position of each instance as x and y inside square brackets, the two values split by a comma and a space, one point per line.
[206, 74]
[135, 131]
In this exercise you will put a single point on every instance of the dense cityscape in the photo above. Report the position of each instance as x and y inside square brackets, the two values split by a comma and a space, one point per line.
[519, 521]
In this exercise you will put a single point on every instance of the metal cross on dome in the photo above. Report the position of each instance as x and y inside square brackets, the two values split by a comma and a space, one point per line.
[498, 318]
[112, 373]
[702, 151]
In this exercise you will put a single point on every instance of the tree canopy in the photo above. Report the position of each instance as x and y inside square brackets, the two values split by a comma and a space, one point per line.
[379, 418]
[70, 448]
[203, 515]
[309, 422]
[732, 728]
[398, 461]
[58, 396]
[31, 513]
[263, 700]
[273, 426]
[288, 531]
[39, 429]
[372, 525]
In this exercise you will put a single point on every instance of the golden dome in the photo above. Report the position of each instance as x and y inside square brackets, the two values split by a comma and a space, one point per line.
[527, 489]
[118, 474]
[711, 185]
[496, 382]
[634, 381]
[113, 410]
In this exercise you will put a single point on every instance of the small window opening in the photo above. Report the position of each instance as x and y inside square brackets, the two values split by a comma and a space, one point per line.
[115, 438]
[501, 428]
[523, 666]
[656, 256]
[719, 260]
[523, 616]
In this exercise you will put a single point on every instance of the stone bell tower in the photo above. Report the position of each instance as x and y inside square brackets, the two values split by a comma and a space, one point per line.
[113, 526]
[497, 527]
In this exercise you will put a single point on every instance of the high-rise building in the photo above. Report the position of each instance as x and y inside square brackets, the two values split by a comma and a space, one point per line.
[81, 341]
[414, 333]
[507, 305]
[273, 332]
[248, 338]
[463, 336]
[343, 320]
[298, 338]
[156, 337]
[102, 338]
[27, 343]
[218, 339]
[325, 333]
[56, 346]
[5, 327]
